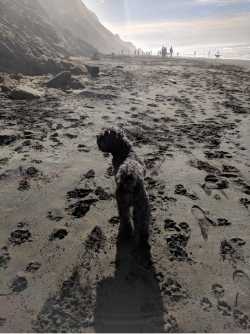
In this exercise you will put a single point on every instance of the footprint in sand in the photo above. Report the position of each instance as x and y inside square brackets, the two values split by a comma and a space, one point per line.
[224, 308]
[223, 222]
[58, 234]
[78, 193]
[4, 257]
[242, 282]
[181, 190]
[203, 221]
[206, 305]
[2, 321]
[33, 267]
[81, 199]
[19, 284]
[242, 279]
[24, 185]
[177, 239]
[218, 291]
[245, 202]
[217, 155]
[174, 290]
[241, 319]
[214, 182]
[95, 240]
[171, 325]
[230, 169]
[114, 220]
[232, 251]
[83, 148]
[79, 209]
[20, 236]
[55, 215]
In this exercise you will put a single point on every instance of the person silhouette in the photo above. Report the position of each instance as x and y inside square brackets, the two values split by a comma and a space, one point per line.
[171, 51]
[164, 51]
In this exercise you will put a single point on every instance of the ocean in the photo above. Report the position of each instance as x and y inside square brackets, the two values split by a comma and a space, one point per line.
[232, 51]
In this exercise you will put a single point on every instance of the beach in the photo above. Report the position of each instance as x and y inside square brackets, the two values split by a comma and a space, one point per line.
[61, 269]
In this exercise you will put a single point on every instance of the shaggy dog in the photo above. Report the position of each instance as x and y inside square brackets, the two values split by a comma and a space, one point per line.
[129, 174]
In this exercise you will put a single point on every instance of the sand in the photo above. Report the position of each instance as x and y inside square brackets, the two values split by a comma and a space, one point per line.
[61, 268]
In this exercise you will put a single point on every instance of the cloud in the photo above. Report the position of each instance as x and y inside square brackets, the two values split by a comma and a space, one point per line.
[226, 2]
[222, 3]
[186, 32]
[149, 24]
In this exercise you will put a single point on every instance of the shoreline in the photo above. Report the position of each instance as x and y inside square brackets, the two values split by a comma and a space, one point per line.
[229, 61]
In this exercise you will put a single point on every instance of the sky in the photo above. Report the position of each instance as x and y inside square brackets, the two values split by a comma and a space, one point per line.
[182, 23]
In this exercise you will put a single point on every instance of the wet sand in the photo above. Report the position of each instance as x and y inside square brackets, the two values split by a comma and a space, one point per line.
[61, 268]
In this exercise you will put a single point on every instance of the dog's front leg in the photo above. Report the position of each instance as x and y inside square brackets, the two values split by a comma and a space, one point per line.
[123, 203]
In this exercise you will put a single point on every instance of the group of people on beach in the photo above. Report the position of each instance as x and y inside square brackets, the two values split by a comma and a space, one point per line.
[164, 51]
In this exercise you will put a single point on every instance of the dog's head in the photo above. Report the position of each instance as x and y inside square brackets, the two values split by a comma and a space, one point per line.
[113, 140]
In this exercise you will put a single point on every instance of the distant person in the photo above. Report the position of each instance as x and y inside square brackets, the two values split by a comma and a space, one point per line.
[171, 51]
[217, 55]
[164, 52]
[195, 53]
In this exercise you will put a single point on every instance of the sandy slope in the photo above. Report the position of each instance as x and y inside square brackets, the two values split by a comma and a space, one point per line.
[189, 121]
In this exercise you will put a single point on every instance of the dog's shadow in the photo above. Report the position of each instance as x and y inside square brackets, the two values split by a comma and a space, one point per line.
[131, 300]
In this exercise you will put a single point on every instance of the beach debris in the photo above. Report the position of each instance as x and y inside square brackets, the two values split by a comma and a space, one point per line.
[24, 93]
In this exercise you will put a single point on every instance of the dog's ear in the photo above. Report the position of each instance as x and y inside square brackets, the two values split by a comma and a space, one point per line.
[108, 131]
[119, 132]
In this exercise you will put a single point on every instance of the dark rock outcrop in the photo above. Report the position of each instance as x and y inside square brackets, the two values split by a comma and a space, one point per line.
[61, 80]
[93, 70]
[82, 24]
[7, 139]
[64, 80]
[37, 36]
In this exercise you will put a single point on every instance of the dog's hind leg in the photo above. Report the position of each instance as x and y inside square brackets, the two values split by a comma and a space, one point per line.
[141, 217]
[123, 203]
